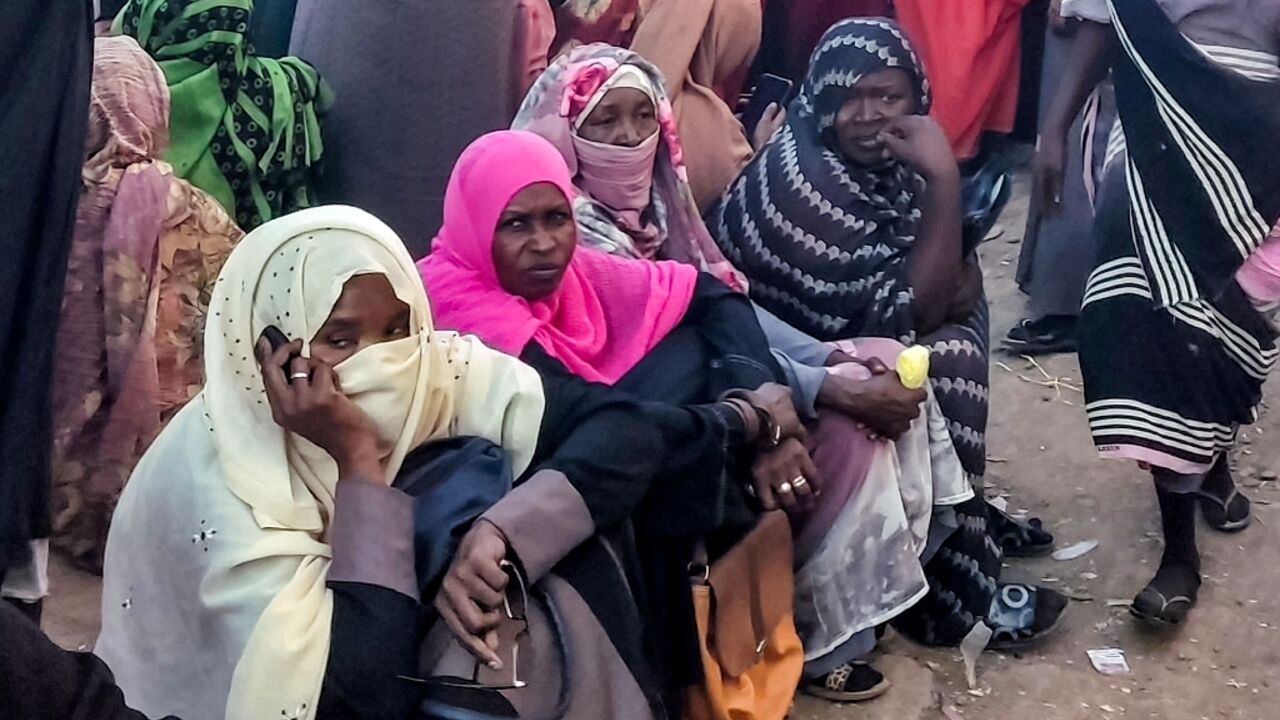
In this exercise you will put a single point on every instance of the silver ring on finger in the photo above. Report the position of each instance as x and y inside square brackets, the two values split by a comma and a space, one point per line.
[799, 482]
[785, 488]
[300, 376]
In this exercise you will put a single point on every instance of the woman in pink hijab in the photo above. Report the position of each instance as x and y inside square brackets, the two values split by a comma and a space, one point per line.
[507, 267]
[596, 314]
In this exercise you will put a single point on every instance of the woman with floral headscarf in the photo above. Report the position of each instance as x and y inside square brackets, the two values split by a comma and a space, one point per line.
[705, 49]
[245, 129]
[147, 248]
[633, 192]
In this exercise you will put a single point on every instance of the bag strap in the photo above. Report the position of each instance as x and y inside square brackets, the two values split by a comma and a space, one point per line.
[758, 629]
[700, 564]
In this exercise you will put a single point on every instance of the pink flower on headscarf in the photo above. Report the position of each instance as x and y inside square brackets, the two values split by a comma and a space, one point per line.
[587, 80]
[551, 108]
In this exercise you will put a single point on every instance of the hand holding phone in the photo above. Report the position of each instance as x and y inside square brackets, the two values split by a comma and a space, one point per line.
[278, 340]
[306, 400]
[770, 90]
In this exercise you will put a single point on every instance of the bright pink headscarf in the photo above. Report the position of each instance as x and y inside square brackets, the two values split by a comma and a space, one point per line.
[608, 312]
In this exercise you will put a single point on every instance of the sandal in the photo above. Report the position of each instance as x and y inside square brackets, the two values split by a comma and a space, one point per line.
[1046, 336]
[852, 682]
[1019, 540]
[1230, 515]
[1023, 615]
[1152, 606]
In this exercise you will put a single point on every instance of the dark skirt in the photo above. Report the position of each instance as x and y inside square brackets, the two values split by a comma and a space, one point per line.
[1059, 253]
[1158, 389]
[416, 82]
[1173, 353]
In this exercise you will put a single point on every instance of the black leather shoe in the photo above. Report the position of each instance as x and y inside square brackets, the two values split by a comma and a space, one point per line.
[1048, 335]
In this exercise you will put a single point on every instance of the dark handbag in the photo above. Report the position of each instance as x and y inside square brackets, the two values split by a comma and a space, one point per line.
[458, 699]
[983, 196]
[452, 483]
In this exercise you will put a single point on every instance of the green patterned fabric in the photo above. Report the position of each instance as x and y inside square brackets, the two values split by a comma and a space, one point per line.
[244, 129]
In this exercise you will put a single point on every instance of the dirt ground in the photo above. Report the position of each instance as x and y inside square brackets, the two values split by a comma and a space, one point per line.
[1219, 667]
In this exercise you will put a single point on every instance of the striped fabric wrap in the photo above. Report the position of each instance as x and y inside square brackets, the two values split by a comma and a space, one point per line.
[1173, 353]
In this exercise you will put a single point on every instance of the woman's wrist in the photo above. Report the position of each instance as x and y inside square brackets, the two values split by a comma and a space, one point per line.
[841, 394]
[362, 462]
[741, 420]
[944, 174]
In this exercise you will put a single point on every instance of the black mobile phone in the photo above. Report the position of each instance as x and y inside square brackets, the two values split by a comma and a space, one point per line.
[278, 340]
[770, 89]
[274, 336]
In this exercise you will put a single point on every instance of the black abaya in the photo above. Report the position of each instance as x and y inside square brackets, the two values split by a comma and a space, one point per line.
[46, 60]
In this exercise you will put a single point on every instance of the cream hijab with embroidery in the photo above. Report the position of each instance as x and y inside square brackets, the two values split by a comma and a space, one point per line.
[214, 595]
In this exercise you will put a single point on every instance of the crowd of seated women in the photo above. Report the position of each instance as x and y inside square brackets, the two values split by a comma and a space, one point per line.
[477, 482]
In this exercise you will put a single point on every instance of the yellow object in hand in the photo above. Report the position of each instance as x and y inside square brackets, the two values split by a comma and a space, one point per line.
[913, 367]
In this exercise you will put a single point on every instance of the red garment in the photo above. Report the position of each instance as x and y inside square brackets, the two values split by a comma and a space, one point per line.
[971, 51]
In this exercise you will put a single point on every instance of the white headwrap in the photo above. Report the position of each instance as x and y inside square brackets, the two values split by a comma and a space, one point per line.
[214, 590]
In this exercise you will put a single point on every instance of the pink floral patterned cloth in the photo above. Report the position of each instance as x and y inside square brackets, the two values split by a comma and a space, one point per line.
[147, 249]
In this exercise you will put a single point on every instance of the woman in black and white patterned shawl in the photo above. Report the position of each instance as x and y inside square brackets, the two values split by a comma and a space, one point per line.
[841, 236]
[847, 225]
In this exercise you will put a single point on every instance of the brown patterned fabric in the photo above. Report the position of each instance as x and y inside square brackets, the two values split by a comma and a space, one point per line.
[146, 251]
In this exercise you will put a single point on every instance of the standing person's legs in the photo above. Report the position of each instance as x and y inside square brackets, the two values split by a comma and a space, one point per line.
[46, 53]
[1185, 416]
[24, 579]
[1059, 253]
[1172, 592]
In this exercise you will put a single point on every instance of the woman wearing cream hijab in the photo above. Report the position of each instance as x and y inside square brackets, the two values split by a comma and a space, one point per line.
[261, 565]
[215, 580]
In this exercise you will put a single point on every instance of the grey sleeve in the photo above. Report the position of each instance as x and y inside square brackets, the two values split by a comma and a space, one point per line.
[805, 382]
[802, 358]
[372, 538]
[794, 344]
[543, 519]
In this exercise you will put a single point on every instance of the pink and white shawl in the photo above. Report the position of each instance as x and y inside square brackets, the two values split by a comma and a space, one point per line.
[551, 110]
